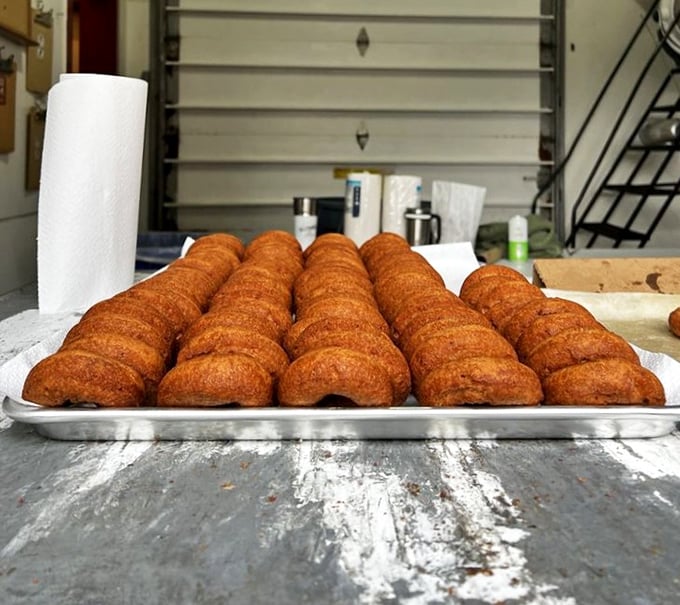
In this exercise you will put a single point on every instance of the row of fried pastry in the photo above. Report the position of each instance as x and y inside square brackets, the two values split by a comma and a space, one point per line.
[119, 351]
[340, 344]
[578, 360]
[455, 355]
[233, 353]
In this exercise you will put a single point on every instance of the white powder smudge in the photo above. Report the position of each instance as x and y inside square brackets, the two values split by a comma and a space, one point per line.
[389, 535]
[5, 422]
[647, 458]
[89, 472]
[261, 448]
[666, 501]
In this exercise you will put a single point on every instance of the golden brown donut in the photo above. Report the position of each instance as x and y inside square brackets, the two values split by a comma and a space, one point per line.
[215, 380]
[416, 307]
[176, 286]
[436, 312]
[458, 343]
[578, 345]
[192, 282]
[503, 300]
[326, 324]
[546, 326]
[219, 240]
[312, 277]
[418, 303]
[141, 357]
[338, 306]
[334, 291]
[121, 324]
[276, 237]
[180, 310]
[73, 376]
[480, 380]
[603, 382]
[674, 322]
[481, 289]
[485, 271]
[374, 250]
[232, 292]
[335, 371]
[217, 271]
[223, 340]
[249, 276]
[372, 342]
[125, 305]
[232, 318]
[413, 338]
[276, 314]
[334, 239]
[513, 327]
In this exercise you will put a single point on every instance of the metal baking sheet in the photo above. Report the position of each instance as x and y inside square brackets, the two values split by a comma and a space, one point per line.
[407, 422]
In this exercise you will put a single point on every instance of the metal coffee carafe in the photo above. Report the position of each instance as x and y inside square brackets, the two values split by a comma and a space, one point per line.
[422, 227]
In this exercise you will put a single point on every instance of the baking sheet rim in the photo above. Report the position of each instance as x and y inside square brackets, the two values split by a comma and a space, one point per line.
[348, 423]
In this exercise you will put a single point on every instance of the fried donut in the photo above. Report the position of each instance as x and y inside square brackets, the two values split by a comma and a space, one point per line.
[120, 324]
[276, 314]
[141, 357]
[338, 306]
[603, 382]
[217, 271]
[505, 299]
[424, 306]
[578, 345]
[124, 305]
[458, 343]
[335, 371]
[218, 240]
[549, 325]
[435, 313]
[180, 310]
[415, 304]
[480, 380]
[372, 342]
[215, 380]
[674, 322]
[515, 324]
[413, 338]
[260, 289]
[485, 271]
[74, 376]
[277, 237]
[223, 340]
[232, 318]
[334, 239]
[322, 325]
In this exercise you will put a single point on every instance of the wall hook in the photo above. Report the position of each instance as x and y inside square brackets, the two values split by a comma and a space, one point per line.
[362, 136]
[363, 41]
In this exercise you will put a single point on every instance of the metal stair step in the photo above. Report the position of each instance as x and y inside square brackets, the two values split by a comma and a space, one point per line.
[613, 231]
[660, 189]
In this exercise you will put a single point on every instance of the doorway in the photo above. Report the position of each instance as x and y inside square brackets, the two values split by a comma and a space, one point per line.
[92, 31]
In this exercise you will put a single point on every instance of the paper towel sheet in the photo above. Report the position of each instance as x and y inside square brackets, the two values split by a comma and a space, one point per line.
[460, 208]
[89, 190]
[454, 262]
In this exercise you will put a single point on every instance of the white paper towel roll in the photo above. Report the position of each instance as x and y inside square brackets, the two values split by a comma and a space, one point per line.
[362, 206]
[400, 192]
[89, 189]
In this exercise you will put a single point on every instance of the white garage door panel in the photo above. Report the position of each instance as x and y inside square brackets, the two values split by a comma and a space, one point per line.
[280, 137]
[351, 90]
[326, 43]
[414, 8]
[507, 186]
[271, 94]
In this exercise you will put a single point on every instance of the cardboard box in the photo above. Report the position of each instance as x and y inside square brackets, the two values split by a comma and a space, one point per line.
[656, 275]
[15, 17]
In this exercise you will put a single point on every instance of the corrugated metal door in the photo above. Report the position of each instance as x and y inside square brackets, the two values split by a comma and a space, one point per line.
[267, 100]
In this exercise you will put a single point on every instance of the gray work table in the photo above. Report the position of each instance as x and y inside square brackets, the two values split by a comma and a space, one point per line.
[543, 522]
